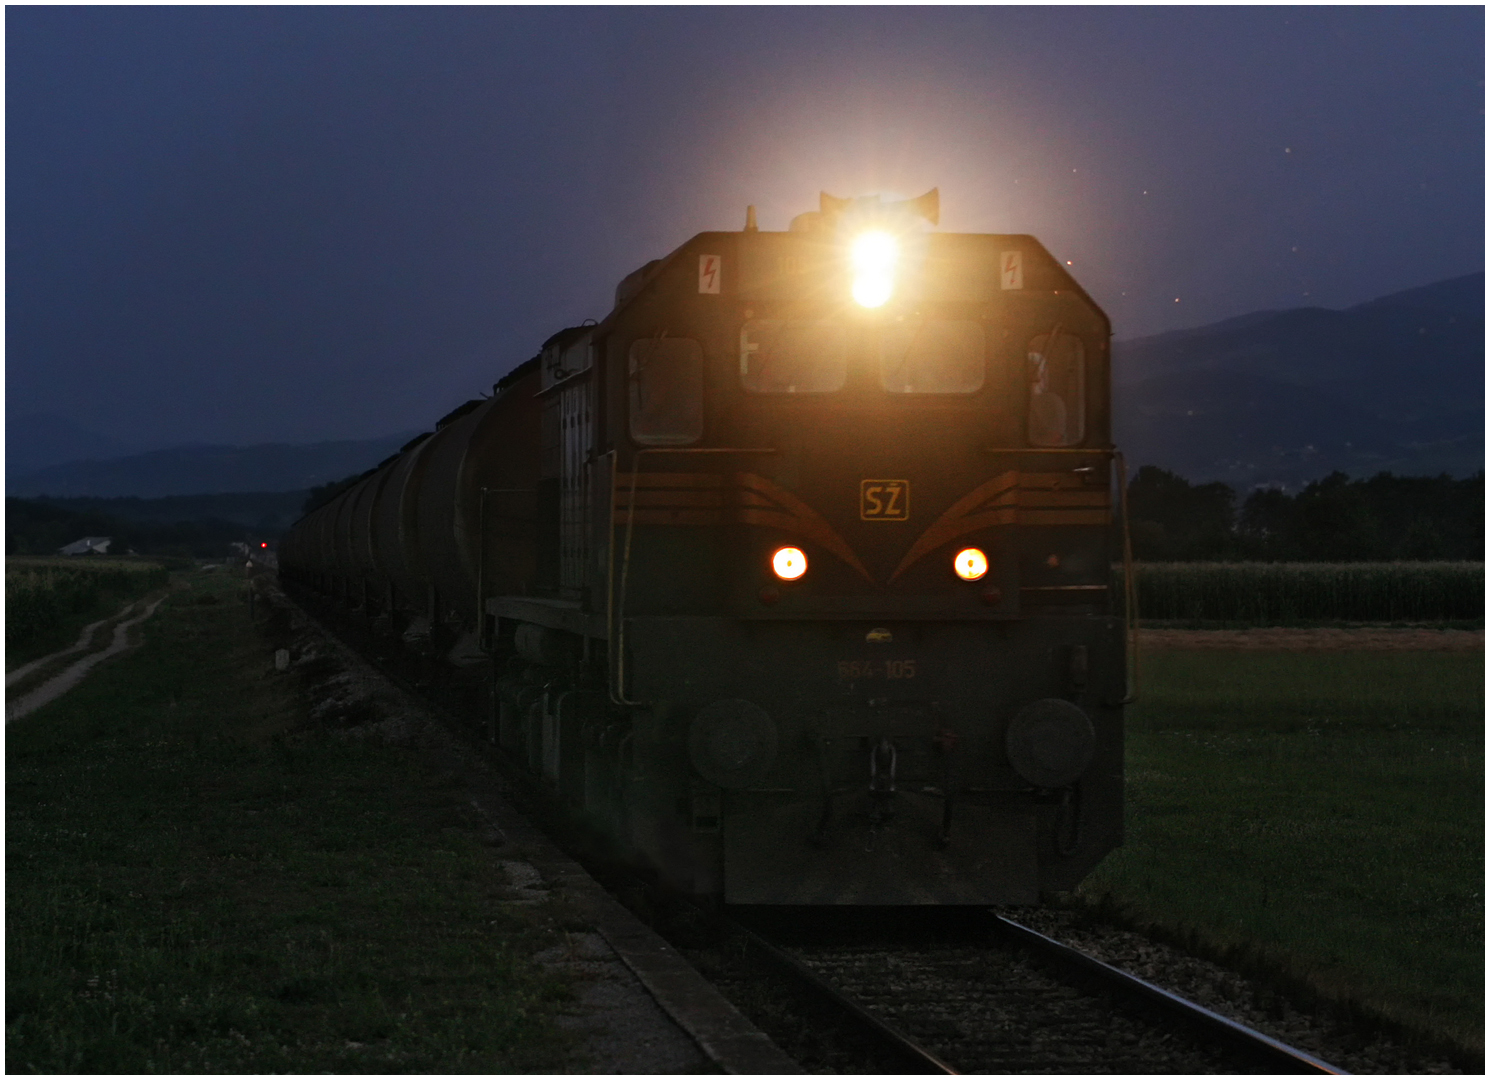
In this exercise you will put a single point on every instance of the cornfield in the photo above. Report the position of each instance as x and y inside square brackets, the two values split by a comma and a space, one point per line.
[1277, 594]
[41, 596]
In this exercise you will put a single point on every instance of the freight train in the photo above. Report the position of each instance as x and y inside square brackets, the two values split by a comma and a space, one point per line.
[794, 575]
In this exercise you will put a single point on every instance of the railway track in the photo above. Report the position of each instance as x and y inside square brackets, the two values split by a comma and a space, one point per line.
[976, 992]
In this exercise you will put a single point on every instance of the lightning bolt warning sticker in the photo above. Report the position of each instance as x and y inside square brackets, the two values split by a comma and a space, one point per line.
[1011, 270]
[708, 273]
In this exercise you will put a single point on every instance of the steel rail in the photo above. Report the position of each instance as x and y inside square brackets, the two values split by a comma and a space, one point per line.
[1276, 1056]
[911, 1057]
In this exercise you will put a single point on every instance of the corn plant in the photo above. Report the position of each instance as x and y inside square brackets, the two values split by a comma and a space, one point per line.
[1277, 594]
[41, 597]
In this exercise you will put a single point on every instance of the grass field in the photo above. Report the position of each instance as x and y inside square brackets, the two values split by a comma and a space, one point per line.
[197, 881]
[48, 601]
[1321, 812]
[201, 881]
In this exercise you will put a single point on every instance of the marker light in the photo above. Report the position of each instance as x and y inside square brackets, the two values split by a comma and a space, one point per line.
[873, 256]
[970, 564]
[789, 563]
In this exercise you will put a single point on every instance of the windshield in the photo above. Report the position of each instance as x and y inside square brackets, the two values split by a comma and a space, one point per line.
[811, 356]
[931, 356]
[793, 356]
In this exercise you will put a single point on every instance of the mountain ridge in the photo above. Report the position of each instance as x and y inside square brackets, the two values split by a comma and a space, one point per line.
[1284, 397]
[206, 469]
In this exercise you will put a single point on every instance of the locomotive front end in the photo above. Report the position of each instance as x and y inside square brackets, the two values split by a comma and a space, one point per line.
[858, 564]
[793, 576]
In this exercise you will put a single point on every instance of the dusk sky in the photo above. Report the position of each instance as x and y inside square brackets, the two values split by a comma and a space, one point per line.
[238, 225]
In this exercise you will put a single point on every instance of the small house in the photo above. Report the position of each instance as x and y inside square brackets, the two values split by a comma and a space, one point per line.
[88, 545]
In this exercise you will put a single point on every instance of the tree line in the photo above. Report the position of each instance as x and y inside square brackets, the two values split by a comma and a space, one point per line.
[1336, 519]
[34, 527]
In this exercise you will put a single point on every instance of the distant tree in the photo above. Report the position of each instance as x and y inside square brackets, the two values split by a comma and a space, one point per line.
[1384, 518]
[35, 527]
[1428, 517]
[1268, 525]
[1335, 521]
[1173, 519]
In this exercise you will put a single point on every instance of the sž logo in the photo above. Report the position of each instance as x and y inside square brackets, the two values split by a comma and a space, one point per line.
[884, 500]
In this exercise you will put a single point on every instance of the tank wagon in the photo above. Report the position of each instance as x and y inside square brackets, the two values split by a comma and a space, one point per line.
[793, 575]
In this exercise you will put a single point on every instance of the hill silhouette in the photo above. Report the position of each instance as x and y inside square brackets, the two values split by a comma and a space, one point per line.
[1286, 397]
[202, 470]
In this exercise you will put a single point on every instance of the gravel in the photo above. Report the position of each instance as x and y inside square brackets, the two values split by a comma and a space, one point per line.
[1234, 996]
[983, 1009]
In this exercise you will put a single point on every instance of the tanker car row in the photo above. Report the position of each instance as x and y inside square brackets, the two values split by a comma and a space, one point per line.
[793, 575]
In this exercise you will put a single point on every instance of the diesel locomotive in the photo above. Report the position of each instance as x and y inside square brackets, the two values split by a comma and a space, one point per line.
[794, 575]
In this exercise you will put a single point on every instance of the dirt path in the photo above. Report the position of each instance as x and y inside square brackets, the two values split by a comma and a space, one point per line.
[1353, 639]
[83, 642]
[73, 674]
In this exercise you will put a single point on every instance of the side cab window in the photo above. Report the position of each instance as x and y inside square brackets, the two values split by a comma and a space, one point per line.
[1056, 372]
[666, 378]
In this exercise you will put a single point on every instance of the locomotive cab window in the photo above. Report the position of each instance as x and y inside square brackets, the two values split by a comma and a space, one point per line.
[793, 356]
[1056, 370]
[667, 391]
[931, 356]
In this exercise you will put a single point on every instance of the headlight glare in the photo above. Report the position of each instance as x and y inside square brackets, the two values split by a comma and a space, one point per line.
[875, 252]
[970, 564]
[872, 291]
[873, 256]
[789, 563]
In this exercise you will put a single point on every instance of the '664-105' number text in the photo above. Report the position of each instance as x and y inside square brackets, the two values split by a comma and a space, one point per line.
[876, 669]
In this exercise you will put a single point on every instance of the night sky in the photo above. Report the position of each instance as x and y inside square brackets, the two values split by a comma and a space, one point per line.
[236, 225]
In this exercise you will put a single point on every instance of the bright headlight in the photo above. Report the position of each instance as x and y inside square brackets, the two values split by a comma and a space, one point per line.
[789, 563]
[873, 256]
[872, 292]
[875, 253]
[970, 564]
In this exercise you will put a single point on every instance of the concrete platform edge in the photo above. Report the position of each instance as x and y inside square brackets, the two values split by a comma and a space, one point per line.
[721, 1031]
